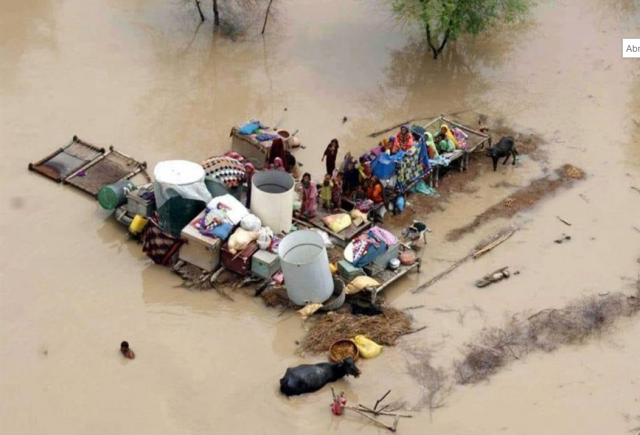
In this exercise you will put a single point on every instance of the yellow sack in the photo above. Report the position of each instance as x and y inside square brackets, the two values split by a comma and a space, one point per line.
[360, 283]
[367, 348]
[337, 222]
[308, 310]
[357, 215]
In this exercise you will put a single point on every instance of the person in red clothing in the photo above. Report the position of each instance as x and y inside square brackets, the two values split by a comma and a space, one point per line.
[404, 139]
[374, 192]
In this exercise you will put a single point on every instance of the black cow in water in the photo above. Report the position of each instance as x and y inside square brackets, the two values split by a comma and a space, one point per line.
[504, 148]
[308, 378]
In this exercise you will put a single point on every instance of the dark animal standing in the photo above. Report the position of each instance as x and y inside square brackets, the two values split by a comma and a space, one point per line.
[504, 148]
[308, 378]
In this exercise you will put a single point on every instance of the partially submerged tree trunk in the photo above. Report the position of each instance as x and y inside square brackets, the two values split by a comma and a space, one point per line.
[216, 13]
[437, 50]
[199, 10]
[266, 17]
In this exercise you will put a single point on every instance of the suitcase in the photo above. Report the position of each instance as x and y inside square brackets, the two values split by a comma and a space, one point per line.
[265, 264]
[136, 204]
[199, 250]
[240, 262]
[348, 271]
[391, 253]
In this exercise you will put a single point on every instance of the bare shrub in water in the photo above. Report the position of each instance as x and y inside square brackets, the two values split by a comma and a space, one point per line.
[546, 331]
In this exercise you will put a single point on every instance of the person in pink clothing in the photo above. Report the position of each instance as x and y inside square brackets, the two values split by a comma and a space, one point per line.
[309, 198]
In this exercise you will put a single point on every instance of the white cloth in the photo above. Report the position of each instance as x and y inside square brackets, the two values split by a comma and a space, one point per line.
[179, 178]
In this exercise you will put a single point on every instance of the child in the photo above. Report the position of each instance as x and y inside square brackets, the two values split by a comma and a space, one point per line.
[336, 192]
[326, 191]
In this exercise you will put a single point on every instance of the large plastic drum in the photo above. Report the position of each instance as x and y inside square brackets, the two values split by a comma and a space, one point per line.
[305, 265]
[272, 199]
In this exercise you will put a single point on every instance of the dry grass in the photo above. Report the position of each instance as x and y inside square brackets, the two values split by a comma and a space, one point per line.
[384, 329]
[546, 331]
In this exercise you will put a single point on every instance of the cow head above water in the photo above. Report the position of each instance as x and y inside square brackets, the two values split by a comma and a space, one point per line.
[349, 367]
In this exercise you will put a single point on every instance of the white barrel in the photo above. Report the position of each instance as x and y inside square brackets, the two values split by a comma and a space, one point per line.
[305, 265]
[272, 199]
[179, 178]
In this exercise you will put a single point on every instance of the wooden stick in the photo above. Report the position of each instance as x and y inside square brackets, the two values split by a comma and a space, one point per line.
[584, 198]
[216, 275]
[413, 331]
[379, 401]
[492, 245]
[441, 275]
[563, 221]
[413, 308]
[392, 429]
[378, 133]
[388, 413]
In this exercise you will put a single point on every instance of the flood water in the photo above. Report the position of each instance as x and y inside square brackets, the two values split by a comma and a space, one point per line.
[147, 78]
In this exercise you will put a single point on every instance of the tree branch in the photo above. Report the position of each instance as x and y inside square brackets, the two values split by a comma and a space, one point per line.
[266, 17]
[199, 10]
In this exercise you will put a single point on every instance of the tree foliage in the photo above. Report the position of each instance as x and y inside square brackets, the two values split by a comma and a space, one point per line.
[445, 20]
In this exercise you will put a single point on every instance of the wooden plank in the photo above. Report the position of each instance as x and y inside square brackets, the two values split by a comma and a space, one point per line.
[462, 127]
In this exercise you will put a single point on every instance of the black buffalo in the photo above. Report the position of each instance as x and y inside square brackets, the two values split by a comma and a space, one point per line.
[504, 148]
[308, 378]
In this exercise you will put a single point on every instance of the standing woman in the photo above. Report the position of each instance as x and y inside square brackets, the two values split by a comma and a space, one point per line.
[276, 151]
[331, 153]
[250, 170]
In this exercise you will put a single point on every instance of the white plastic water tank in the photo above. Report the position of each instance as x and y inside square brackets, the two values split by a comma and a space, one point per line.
[179, 178]
[305, 265]
[272, 199]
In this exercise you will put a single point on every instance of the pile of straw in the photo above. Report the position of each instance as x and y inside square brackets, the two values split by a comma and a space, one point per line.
[384, 329]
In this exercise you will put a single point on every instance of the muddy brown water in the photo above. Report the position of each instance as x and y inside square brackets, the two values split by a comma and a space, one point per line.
[145, 77]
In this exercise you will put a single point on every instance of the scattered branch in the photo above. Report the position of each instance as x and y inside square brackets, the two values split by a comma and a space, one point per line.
[563, 221]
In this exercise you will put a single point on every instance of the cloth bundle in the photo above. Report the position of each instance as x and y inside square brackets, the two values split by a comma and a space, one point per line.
[227, 170]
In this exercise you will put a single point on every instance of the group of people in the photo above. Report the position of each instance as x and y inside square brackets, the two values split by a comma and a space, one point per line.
[355, 179]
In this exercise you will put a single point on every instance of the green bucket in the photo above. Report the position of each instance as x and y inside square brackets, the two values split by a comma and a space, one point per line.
[114, 195]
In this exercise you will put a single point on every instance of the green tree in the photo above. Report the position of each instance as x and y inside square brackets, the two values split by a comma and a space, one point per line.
[445, 20]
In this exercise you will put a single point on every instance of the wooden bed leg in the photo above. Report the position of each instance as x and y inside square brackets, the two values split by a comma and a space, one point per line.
[437, 171]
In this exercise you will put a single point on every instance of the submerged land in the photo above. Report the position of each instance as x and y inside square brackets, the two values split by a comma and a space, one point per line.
[153, 81]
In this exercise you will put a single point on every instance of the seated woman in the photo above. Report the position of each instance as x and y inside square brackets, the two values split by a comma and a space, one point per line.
[374, 192]
[445, 131]
[309, 206]
[404, 139]
[277, 165]
[461, 137]
[445, 140]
